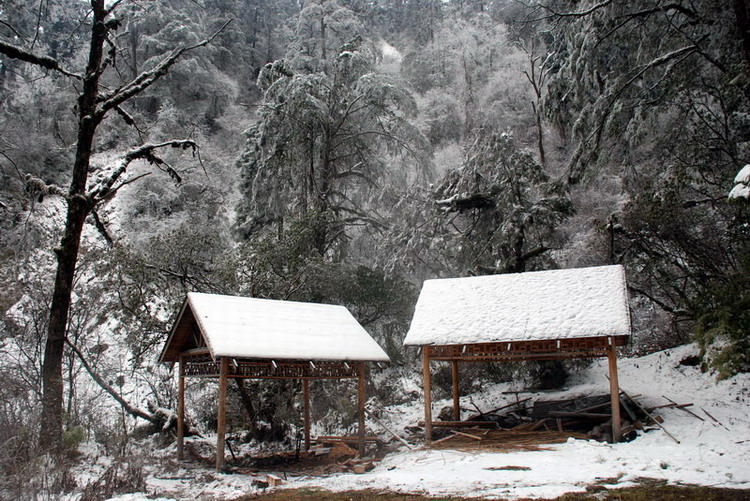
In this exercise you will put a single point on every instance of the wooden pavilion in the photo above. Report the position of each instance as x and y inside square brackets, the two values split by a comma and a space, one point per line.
[229, 337]
[545, 315]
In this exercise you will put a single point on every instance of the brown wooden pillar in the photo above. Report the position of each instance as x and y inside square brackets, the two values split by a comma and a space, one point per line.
[361, 407]
[427, 394]
[181, 409]
[221, 422]
[614, 389]
[306, 406]
[456, 394]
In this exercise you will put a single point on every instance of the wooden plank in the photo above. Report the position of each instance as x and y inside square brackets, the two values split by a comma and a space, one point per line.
[497, 409]
[456, 395]
[407, 444]
[221, 422]
[461, 424]
[538, 424]
[650, 416]
[614, 390]
[181, 410]
[345, 439]
[445, 439]
[306, 411]
[427, 394]
[467, 435]
[195, 352]
[683, 408]
[361, 406]
[589, 415]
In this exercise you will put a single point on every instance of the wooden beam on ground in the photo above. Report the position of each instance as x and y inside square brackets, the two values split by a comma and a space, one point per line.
[467, 435]
[460, 424]
[306, 404]
[221, 422]
[614, 390]
[181, 410]
[427, 394]
[393, 433]
[349, 440]
[361, 406]
[456, 394]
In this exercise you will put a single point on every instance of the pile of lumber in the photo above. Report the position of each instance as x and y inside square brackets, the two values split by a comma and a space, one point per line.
[582, 416]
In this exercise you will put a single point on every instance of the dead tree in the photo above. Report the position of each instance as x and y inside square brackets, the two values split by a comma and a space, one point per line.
[95, 102]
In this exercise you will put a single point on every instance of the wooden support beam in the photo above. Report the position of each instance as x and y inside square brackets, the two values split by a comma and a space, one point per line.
[456, 394]
[195, 352]
[614, 390]
[306, 403]
[427, 394]
[181, 410]
[221, 422]
[361, 406]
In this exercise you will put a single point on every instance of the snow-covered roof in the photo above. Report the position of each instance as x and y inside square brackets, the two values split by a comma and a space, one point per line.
[542, 305]
[244, 327]
[743, 176]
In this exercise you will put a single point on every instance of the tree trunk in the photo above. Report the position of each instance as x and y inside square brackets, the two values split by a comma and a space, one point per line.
[67, 254]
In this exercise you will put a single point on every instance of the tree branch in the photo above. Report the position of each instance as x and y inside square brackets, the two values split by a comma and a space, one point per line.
[134, 411]
[145, 152]
[16, 52]
[147, 78]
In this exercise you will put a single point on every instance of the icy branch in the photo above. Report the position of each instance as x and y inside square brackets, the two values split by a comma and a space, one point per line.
[147, 78]
[134, 411]
[145, 152]
[15, 52]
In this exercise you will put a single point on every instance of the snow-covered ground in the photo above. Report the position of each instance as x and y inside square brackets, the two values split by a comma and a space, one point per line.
[708, 453]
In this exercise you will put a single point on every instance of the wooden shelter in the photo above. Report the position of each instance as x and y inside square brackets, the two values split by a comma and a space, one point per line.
[229, 337]
[545, 315]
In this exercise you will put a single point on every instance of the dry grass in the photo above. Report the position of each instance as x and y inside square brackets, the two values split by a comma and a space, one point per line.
[648, 491]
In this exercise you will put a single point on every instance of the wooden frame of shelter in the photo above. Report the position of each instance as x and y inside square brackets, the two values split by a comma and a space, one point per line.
[260, 349]
[590, 292]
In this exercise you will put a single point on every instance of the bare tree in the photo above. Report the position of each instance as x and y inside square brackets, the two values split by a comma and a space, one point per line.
[95, 102]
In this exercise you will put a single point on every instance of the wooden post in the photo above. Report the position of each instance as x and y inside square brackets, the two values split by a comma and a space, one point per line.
[221, 422]
[614, 389]
[181, 410]
[456, 395]
[427, 394]
[306, 404]
[361, 406]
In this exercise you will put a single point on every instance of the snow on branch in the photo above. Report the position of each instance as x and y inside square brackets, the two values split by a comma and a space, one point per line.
[104, 188]
[147, 78]
[16, 52]
[554, 13]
